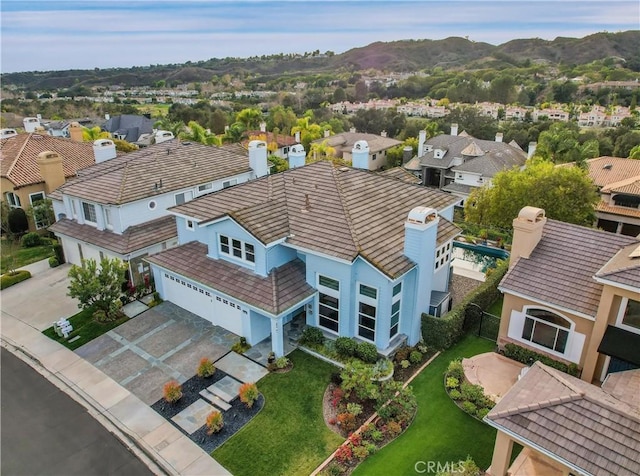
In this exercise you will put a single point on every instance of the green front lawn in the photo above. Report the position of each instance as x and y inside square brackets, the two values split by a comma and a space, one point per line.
[289, 435]
[12, 251]
[441, 432]
[496, 307]
[86, 327]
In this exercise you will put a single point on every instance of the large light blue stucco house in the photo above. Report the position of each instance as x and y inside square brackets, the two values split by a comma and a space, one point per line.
[353, 252]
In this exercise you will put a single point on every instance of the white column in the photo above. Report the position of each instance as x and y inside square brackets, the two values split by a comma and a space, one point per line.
[619, 228]
[277, 340]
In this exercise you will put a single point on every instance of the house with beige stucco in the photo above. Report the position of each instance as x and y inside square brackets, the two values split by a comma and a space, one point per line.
[573, 293]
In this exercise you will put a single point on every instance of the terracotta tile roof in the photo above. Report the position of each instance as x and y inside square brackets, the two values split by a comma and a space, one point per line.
[134, 238]
[338, 211]
[623, 268]
[579, 423]
[620, 169]
[629, 186]
[604, 207]
[280, 139]
[401, 174]
[18, 156]
[561, 268]
[281, 289]
[624, 386]
[176, 164]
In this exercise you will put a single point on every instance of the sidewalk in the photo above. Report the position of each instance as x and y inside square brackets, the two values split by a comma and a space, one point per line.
[148, 435]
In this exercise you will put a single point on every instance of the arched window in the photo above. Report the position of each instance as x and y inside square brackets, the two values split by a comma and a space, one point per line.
[546, 329]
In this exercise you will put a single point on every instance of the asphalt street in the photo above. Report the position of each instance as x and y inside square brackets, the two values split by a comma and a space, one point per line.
[45, 432]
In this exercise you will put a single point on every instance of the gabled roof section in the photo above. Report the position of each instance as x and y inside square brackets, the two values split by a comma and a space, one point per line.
[281, 289]
[606, 170]
[344, 141]
[134, 238]
[401, 174]
[624, 267]
[561, 268]
[131, 125]
[155, 170]
[630, 186]
[490, 164]
[18, 156]
[337, 211]
[579, 423]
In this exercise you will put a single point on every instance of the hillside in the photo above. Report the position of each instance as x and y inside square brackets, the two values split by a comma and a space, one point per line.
[405, 55]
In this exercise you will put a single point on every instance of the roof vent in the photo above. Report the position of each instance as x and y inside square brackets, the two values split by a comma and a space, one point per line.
[608, 167]
[186, 143]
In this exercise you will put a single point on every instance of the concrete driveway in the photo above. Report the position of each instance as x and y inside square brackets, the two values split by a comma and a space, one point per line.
[163, 343]
[41, 299]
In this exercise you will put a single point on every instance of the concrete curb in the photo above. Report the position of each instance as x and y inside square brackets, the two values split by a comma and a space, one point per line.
[156, 465]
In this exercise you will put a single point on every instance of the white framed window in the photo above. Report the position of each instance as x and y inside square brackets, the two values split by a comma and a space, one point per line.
[367, 311]
[89, 212]
[205, 187]
[74, 209]
[13, 200]
[33, 199]
[629, 315]
[237, 249]
[183, 197]
[546, 329]
[229, 183]
[443, 255]
[328, 303]
[107, 218]
[395, 310]
[191, 225]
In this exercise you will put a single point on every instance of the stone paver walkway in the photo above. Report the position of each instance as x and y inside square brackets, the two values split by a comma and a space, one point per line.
[226, 388]
[163, 343]
[241, 368]
[194, 416]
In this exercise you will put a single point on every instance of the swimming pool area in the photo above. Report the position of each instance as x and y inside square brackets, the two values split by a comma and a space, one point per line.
[473, 260]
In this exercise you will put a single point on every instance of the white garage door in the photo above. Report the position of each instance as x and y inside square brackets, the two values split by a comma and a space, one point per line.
[192, 297]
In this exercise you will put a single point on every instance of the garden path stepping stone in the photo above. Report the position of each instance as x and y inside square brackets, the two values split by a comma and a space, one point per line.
[215, 400]
[134, 308]
[241, 368]
[194, 416]
[226, 388]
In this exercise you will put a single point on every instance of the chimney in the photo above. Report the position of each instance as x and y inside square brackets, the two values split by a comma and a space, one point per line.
[296, 156]
[258, 158]
[30, 124]
[407, 154]
[420, 234]
[422, 137]
[297, 137]
[75, 132]
[360, 155]
[327, 132]
[454, 129]
[527, 231]
[263, 126]
[352, 130]
[383, 134]
[163, 136]
[50, 165]
[107, 117]
[499, 136]
[39, 117]
[103, 149]
[532, 149]
[6, 133]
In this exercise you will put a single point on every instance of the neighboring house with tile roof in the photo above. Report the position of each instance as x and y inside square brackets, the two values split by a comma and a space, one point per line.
[118, 208]
[618, 181]
[458, 163]
[354, 253]
[573, 293]
[26, 180]
[373, 157]
[278, 144]
[567, 426]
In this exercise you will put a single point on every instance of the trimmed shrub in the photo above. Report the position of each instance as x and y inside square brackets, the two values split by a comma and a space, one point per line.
[172, 391]
[312, 336]
[345, 346]
[528, 357]
[469, 407]
[360, 452]
[347, 421]
[455, 369]
[248, 394]
[443, 332]
[455, 394]
[367, 352]
[405, 364]
[53, 262]
[415, 357]
[18, 221]
[16, 277]
[344, 454]
[214, 422]
[59, 252]
[452, 382]
[473, 393]
[206, 368]
[282, 362]
[482, 412]
[31, 240]
[354, 408]
[394, 428]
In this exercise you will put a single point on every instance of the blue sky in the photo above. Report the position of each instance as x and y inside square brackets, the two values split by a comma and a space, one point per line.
[54, 35]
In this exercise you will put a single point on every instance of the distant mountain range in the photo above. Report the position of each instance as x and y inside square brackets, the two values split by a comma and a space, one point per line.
[398, 56]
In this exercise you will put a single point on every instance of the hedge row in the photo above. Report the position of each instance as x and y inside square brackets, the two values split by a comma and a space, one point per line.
[528, 357]
[443, 332]
[14, 278]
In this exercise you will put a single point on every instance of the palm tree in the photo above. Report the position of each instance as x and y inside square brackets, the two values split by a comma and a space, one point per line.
[250, 118]
[166, 124]
[196, 133]
[234, 133]
[95, 133]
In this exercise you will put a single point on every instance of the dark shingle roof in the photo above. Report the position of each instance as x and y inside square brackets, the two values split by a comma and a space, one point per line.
[18, 156]
[281, 289]
[561, 268]
[175, 164]
[133, 126]
[578, 422]
[338, 211]
[134, 238]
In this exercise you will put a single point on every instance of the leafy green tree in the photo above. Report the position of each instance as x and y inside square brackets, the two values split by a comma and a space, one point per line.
[196, 133]
[97, 286]
[42, 213]
[167, 124]
[282, 118]
[124, 146]
[625, 143]
[17, 221]
[95, 133]
[234, 133]
[279, 164]
[250, 118]
[561, 144]
[635, 152]
[565, 193]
